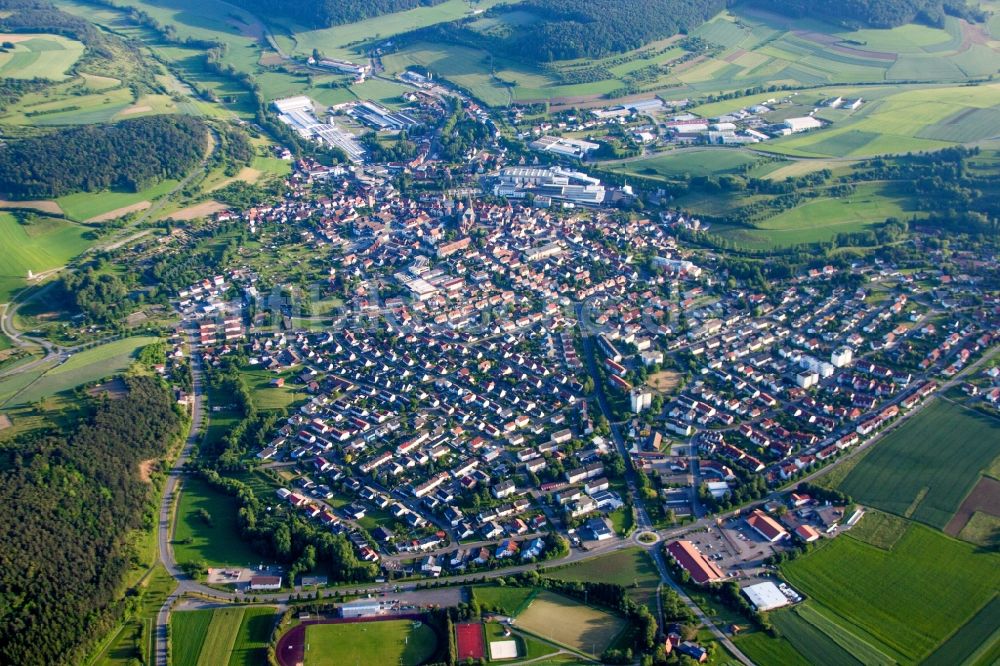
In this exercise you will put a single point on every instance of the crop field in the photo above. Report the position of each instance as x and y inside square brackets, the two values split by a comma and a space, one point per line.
[39, 56]
[763, 649]
[631, 567]
[400, 642]
[510, 600]
[188, 630]
[250, 648]
[217, 544]
[860, 650]
[221, 637]
[44, 244]
[977, 642]
[904, 602]
[982, 529]
[810, 641]
[83, 367]
[937, 457]
[918, 118]
[570, 623]
[84, 206]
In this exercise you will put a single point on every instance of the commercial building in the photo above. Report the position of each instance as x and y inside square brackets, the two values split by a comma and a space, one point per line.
[688, 557]
[802, 124]
[361, 608]
[558, 145]
[381, 118]
[297, 113]
[558, 184]
[765, 596]
[766, 526]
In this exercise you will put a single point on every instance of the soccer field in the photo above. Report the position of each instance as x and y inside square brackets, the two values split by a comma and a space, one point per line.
[399, 642]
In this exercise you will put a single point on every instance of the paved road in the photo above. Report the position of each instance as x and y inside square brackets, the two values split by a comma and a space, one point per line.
[165, 551]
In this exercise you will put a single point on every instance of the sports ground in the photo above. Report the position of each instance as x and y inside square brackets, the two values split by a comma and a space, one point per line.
[399, 639]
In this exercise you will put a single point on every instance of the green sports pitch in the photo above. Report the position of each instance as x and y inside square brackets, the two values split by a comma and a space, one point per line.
[400, 642]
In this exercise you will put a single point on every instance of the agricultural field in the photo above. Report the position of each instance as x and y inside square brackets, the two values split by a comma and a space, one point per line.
[763, 649]
[83, 367]
[631, 567]
[38, 56]
[879, 529]
[40, 245]
[217, 544]
[570, 623]
[810, 641]
[925, 468]
[977, 642]
[188, 630]
[905, 602]
[387, 642]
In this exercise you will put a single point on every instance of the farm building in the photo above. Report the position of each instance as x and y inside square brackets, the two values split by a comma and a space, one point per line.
[701, 569]
[765, 596]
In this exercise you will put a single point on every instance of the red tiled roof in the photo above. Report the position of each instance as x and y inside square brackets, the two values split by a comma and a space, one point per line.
[702, 569]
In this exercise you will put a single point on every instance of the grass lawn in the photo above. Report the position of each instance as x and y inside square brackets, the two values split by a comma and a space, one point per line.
[570, 623]
[188, 630]
[507, 600]
[135, 639]
[218, 544]
[86, 366]
[904, 602]
[44, 244]
[221, 638]
[939, 454]
[266, 396]
[250, 648]
[389, 642]
[39, 56]
[631, 567]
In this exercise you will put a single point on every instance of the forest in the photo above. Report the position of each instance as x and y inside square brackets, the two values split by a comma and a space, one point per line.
[575, 29]
[129, 155]
[69, 503]
[873, 13]
[324, 13]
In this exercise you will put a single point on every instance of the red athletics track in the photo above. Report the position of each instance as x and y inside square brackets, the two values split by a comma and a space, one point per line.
[470, 640]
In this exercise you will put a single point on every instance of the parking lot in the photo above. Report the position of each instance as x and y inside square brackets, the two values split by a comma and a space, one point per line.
[736, 549]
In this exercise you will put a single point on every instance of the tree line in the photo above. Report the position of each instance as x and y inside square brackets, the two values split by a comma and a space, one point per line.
[131, 155]
[324, 13]
[874, 13]
[70, 502]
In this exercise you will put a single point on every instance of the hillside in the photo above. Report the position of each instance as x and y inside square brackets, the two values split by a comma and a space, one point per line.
[325, 13]
[872, 13]
[130, 155]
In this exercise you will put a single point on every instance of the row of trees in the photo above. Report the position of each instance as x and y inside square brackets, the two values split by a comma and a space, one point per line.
[69, 504]
[874, 13]
[131, 154]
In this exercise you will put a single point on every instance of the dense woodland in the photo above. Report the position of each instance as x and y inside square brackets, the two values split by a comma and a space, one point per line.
[69, 503]
[324, 13]
[874, 13]
[130, 155]
[576, 29]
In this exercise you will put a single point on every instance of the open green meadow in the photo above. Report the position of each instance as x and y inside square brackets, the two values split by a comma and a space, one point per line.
[41, 245]
[977, 642]
[84, 367]
[903, 603]
[810, 641]
[822, 218]
[690, 162]
[218, 542]
[568, 622]
[401, 642]
[926, 467]
[89, 205]
[632, 568]
[504, 599]
[38, 56]
[221, 636]
[235, 635]
[879, 529]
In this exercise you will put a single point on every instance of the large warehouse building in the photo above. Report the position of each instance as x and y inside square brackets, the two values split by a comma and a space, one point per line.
[702, 569]
[765, 596]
